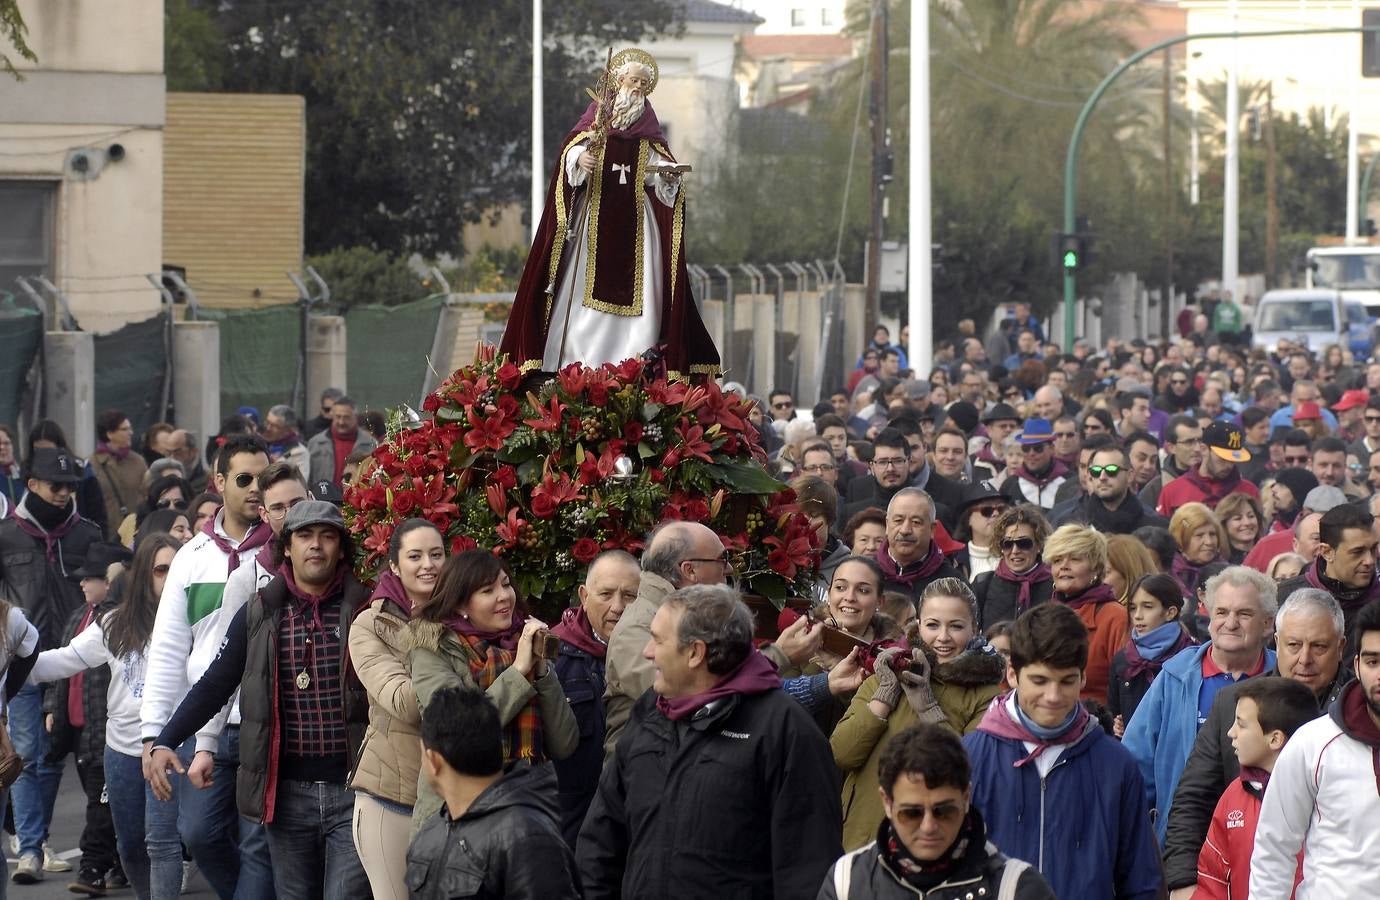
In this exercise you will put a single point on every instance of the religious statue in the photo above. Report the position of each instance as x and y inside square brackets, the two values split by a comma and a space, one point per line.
[606, 278]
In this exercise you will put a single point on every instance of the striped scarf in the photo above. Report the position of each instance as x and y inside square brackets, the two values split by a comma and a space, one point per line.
[522, 737]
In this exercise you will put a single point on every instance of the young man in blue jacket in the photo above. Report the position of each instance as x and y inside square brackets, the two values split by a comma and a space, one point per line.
[1055, 789]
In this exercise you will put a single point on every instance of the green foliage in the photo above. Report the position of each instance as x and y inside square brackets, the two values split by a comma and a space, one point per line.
[490, 270]
[359, 275]
[15, 33]
[193, 47]
[418, 113]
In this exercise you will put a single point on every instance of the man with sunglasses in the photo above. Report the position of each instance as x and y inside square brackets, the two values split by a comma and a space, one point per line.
[1111, 507]
[184, 643]
[43, 543]
[1183, 438]
[1217, 475]
[1369, 442]
[1040, 475]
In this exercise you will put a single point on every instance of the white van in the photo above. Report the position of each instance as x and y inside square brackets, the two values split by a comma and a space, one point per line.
[1313, 317]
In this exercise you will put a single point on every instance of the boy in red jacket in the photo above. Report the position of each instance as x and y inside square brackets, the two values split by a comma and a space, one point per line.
[1268, 712]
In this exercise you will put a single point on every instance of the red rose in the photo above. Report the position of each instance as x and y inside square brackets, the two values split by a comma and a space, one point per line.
[508, 375]
[543, 505]
[404, 503]
[506, 477]
[658, 476]
[461, 543]
[632, 432]
[599, 394]
[585, 550]
[697, 510]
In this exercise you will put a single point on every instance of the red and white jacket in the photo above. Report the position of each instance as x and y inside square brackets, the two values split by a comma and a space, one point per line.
[1224, 864]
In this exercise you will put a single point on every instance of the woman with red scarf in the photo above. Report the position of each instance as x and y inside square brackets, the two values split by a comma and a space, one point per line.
[1021, 580]
[1077, 557]
[473, 632]
[1201, 540]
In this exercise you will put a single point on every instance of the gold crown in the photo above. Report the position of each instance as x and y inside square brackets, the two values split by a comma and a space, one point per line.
[634, 54]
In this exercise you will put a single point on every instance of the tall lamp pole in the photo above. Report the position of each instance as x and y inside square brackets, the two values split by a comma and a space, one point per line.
[920, 300]
[1231, 191]
[538, 132]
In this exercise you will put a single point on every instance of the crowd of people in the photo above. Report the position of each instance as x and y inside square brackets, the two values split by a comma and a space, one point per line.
[1088, 624]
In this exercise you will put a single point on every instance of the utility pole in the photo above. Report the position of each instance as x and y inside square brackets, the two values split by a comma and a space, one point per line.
[1167, 292]
[1353, 161]
[538, 131]
[1271, 197]
[1231, 184]
[920, 284]
[877, 112]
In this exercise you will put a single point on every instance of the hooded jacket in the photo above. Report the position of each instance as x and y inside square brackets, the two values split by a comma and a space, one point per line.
[964, 688]
[505, 845]
[40, 583]
[1085, 824]
[1161, 734]
[1324, 798]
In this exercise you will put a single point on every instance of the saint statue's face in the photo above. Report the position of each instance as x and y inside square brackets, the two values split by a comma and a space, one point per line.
[634, 79]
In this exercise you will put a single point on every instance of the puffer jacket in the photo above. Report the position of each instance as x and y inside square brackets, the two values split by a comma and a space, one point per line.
[436, 660]
[122, 485]
[390, 758]
[997, 598]
[41, 586]
[964, 688]
[505, 845]
[86, 741]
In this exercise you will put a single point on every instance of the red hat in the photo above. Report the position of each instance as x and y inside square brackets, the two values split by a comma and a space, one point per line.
[1351, 400]
[1307, 410]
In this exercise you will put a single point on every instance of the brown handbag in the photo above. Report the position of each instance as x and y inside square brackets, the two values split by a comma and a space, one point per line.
[11, 763]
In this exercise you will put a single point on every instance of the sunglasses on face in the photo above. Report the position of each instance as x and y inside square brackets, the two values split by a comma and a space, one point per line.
[171, 504]
[914, 815]
[991, 511]
[1374, 420]
[787, 405]
[1111, 471]
[1296, 460]
[1026, 544]
[243, 480]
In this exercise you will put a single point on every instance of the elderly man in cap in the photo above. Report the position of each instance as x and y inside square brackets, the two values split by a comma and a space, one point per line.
[42, 544]
[1216, 476]
[1350, 411]
[999, 421]
[1040, 474]
[302, 716]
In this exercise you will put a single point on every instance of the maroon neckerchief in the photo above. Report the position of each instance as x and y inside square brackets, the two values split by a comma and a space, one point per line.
[1359, 725]
[505, 638]
[1037, 574]
[1098, 593]
[1188, 572]
[108, 450]
[1056, 470]
[755, 675]
[312, 602]
[1348, 598]
[390, 587]
[257, 536]
[49, 538]
[1136, 664]
[998, 721]
[1214, 491]
[924, 568]
[1253, 775]
[574, 629]
[646, 127]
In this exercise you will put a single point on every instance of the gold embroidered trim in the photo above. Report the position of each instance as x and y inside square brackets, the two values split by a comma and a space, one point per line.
[709, 369]
[677, 226]
[595, 192]
[558, 242]
[529, 366]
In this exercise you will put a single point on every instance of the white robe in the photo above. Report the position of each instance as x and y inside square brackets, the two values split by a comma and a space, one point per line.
[592, 337]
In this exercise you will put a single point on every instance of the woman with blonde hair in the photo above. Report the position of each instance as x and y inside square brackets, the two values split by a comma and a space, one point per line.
[1128, 561]
[1201, 539]
[1077, 557]
[944, 677]
[1243, 520]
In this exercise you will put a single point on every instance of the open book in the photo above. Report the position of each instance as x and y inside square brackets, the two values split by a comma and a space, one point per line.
[670, 169]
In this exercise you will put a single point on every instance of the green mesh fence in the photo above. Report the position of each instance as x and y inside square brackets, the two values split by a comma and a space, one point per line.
[386, 351]
[129, 366]
[21, 333]
[258, 355]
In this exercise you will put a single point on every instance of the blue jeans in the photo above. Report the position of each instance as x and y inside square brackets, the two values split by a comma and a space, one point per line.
[124, 785]
[36, 790]
[205, 820]
[312, 844]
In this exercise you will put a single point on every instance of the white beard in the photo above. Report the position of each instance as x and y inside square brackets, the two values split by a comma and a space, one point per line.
[627, 109]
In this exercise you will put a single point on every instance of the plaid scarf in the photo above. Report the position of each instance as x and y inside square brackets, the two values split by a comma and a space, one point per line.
[521, 737]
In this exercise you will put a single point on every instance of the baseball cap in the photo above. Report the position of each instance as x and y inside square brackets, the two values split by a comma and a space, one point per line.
[314, 512]
[99, 557]
[1307, 410]
[53, 464]
[1038, 431]
[1226, 441]
[328, 491]
[1350, 400]
[1324, 497]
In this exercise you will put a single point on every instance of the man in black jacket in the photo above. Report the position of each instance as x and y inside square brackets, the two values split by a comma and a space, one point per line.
[496, 833]
[1310, 640]
[302, 715]
[890, 471]
[721, 784]
[1111, 507]
[42, 543]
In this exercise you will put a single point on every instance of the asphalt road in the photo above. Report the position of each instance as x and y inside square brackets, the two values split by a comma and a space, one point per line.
[68, 816]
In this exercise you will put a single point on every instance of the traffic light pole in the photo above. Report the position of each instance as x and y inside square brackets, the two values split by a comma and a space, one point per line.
[1075, 140]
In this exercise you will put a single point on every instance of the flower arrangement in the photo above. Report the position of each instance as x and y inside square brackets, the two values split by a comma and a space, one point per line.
[590, 460]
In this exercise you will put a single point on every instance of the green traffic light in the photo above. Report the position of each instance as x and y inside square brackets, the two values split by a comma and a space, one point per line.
[1070, 259]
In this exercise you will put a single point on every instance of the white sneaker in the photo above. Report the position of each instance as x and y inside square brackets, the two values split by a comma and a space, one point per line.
[14, 845]
[29, 870]
[54, 863]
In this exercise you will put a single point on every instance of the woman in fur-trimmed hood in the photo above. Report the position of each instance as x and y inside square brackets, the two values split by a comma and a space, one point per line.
[943, 683]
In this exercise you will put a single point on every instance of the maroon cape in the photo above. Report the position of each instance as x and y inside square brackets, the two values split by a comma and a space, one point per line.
[684, 342]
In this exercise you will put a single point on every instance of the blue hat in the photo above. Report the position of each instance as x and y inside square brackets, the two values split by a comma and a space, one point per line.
[1036, 431]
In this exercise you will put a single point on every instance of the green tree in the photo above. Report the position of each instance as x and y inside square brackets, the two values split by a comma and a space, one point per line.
[193, 47]
[15, 32]
[359, 275]
[418, 112]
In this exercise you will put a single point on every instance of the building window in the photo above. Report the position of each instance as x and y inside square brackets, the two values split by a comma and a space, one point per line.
[797, 18]
[826, 17]
[26, 231]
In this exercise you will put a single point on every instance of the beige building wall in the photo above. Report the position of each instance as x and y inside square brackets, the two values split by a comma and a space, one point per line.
[98, 82]
[233, 195]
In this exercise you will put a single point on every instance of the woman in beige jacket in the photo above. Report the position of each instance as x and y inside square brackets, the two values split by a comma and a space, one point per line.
[385, 777]
[474, 633]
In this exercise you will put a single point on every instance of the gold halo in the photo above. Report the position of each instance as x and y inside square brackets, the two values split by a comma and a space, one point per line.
[634, 54]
